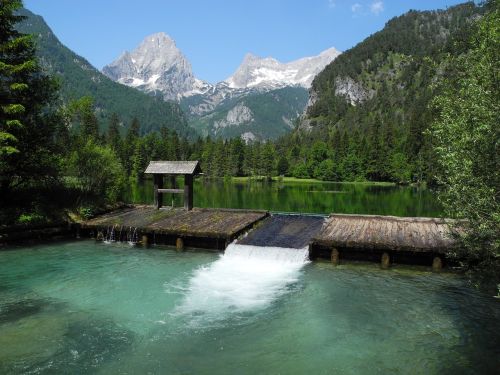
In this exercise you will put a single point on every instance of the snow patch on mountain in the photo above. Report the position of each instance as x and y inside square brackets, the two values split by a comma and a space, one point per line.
[269, 73]
[156, 65]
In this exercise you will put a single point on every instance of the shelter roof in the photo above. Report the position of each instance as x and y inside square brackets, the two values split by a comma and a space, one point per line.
[173, 167]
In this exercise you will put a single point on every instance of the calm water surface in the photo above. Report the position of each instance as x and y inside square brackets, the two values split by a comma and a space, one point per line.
[305, 197]
[82, 307]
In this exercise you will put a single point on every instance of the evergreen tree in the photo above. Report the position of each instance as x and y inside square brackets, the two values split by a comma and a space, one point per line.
[129, 145]
[90, 125]
[27, 116]
[140, 159]
[113, 137]
[268, 160]
[283, 166]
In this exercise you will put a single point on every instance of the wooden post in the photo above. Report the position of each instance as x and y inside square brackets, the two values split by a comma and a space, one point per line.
[311, 251]
[188, 192]
[179, 244]
[385, 261]
[158, 184]
[173, 185]
[335, 256]
[437, 264]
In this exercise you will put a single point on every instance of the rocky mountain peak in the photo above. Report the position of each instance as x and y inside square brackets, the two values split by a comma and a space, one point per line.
[156, 65]
[269, 73]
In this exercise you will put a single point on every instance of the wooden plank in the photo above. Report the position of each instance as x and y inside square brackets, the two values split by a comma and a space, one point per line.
[384, 233]
[171, 191]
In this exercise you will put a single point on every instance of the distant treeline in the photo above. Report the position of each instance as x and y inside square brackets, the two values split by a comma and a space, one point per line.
[343, 157]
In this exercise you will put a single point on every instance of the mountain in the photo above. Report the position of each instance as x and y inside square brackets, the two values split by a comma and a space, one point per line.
[156, 66]
[373, 104]
[392, 61]
[256, 72]
[79, 78]
[254, 115]
[230, 108]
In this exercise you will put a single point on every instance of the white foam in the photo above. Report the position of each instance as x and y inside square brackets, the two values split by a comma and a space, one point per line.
[244, 279]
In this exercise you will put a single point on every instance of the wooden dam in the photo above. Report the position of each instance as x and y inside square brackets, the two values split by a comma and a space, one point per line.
[385, 239]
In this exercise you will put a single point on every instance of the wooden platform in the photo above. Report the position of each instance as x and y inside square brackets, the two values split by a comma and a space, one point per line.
[200, 227]
[358, 236]
[351, 237]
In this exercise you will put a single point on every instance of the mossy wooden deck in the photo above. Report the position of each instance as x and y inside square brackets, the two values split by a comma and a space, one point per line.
[352, 237]
[200, 227]
[363, 236]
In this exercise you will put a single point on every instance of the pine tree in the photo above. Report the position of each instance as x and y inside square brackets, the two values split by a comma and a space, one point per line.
[129, 145]
[27, 119]
[268, 160]
[113, 137]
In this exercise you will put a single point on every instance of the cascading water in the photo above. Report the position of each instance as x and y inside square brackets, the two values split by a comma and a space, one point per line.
[244, 279]
[132, 237]
[110, 235]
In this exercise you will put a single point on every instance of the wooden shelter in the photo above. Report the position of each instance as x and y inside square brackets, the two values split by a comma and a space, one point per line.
[160, 169]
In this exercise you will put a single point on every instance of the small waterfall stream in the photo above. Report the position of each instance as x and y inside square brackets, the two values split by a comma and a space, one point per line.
[244, 279]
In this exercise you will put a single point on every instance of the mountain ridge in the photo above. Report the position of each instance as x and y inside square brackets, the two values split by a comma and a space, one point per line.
[156, 66]
[79, 78]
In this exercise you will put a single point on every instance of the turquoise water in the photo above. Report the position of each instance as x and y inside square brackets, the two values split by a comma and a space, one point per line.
[303, 197]
[82, 307]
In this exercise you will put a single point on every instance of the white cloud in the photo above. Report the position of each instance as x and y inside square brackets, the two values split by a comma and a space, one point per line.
[356, 7]
[331, 3]
[377, 7]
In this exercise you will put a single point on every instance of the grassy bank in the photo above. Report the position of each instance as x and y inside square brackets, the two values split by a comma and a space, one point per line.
[309, 180]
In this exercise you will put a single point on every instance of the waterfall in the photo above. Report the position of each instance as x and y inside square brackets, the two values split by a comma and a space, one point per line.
[132, 236]
[244, 279]
[110, 235]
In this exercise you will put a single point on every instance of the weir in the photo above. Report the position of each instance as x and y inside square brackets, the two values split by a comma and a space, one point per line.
[384, 239]
[285, 230]
[197, 228]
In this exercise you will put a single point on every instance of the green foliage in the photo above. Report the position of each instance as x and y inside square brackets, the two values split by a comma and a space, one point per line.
[31, 218]
[283, 166]
[98, 172]
[326, 170]
[379, 135]
[300, 171]
[86, 212]
[27, 119]
[466, 135]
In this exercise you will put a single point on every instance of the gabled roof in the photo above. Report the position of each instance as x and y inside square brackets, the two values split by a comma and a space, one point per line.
[173, 167]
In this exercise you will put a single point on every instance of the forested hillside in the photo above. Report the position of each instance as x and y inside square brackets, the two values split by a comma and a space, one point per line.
[371, 105]
[77, 78]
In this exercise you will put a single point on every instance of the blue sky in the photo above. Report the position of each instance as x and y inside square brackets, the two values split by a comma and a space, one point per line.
[216, 34]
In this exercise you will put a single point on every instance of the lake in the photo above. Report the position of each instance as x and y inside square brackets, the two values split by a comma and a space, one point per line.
[302, 196]
[86, 307]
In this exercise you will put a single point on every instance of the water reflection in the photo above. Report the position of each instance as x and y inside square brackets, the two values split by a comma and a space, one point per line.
[305, 197]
